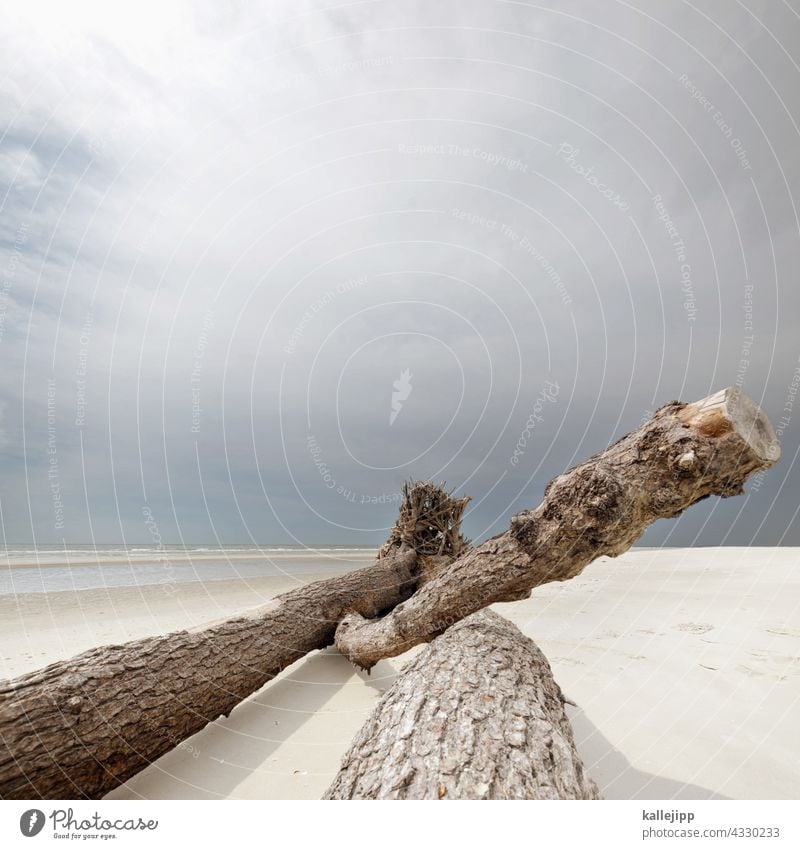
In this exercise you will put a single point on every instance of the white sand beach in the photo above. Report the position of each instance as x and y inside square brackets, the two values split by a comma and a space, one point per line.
[684, 665]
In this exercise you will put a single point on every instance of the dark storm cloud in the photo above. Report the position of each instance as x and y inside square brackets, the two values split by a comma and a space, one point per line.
[257, 272]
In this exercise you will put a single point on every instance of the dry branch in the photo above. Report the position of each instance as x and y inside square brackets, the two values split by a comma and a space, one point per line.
[80, 727]
[683, 454]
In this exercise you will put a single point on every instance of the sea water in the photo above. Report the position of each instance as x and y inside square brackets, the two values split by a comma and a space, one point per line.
[52, 568]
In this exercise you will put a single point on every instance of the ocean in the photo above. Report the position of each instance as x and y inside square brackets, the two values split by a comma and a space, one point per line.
[53, 568]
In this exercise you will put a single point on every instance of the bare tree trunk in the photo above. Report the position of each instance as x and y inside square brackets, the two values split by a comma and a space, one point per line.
[684, 453]
[83, 726]
[476, 715]
[80, 727]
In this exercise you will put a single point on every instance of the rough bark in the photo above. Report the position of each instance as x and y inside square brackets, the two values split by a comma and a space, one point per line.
[476, 715]
[683, 454]
[80, 727]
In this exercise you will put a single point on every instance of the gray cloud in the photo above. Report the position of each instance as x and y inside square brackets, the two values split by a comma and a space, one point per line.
[226, 235]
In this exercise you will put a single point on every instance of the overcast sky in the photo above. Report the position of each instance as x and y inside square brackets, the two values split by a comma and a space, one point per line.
[258, 267]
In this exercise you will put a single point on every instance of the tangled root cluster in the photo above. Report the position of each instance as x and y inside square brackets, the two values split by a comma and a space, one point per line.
[429, 521]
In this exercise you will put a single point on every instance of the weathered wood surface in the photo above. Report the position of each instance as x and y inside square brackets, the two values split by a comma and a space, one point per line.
[684, 453]
[476, 715]
[80, 727]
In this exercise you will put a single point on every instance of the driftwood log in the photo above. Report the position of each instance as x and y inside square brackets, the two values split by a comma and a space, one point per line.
[683, 454]
[80, 727]
[475, 715]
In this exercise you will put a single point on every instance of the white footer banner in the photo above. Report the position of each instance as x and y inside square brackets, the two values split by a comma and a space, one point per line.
[616, 824]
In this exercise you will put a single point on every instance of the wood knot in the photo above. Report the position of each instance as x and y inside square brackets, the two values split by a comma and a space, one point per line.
[524, 530]
[74, 704]
[712, 423]
[688, 461]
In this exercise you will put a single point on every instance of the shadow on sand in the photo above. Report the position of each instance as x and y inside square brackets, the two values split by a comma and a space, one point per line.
[244, 743]
[613, 772]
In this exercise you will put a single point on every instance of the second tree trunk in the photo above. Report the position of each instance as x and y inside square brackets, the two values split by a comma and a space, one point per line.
[476, 715]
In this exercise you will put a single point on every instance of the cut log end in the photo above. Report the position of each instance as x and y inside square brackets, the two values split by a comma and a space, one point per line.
[124, 706]
[731, 411]
[684, 453]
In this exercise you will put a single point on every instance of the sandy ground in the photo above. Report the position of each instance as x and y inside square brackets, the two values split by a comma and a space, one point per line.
[685, 665]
